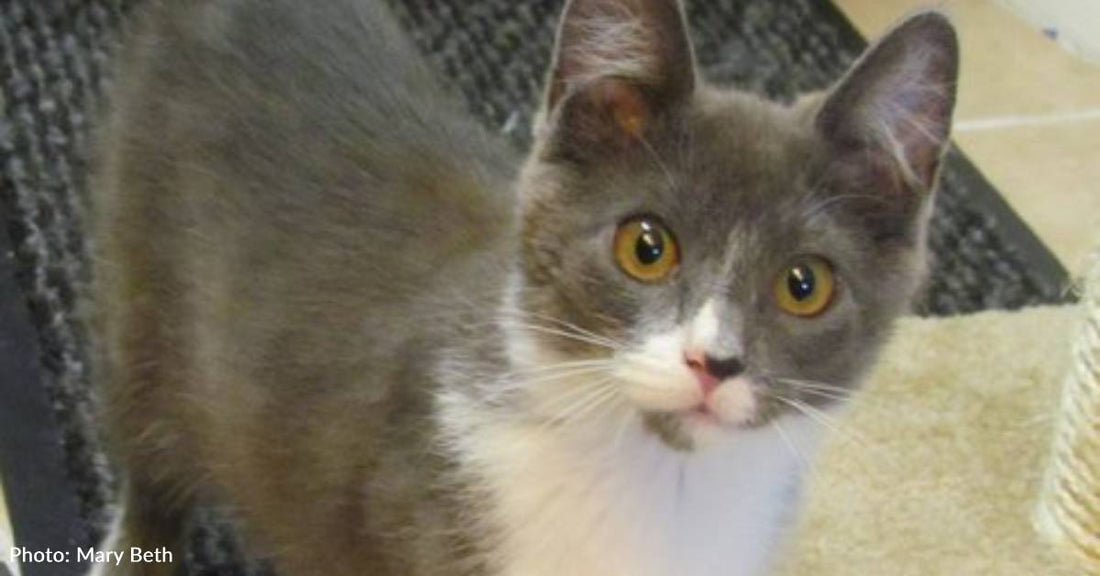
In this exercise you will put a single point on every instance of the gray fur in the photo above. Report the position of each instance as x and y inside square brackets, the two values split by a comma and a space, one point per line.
[298, 230]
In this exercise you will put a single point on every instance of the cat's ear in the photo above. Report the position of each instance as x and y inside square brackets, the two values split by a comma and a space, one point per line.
[892, 111]
[617, 65]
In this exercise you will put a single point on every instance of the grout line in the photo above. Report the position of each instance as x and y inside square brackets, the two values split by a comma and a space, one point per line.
[982, 124]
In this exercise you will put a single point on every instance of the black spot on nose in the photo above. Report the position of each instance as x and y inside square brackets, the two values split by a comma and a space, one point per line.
[722, 368]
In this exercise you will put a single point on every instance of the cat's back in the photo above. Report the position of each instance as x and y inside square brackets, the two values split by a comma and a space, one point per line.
[292, 151]
[286, 200]
[288, 105]
[284, 191]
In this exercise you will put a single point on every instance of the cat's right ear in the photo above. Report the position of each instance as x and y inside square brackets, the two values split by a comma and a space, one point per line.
[618, 65]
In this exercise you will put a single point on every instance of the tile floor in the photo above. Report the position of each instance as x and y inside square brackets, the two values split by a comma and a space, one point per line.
[1028, 116]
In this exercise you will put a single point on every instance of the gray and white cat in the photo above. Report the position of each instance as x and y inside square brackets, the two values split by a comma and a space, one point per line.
[334, 305]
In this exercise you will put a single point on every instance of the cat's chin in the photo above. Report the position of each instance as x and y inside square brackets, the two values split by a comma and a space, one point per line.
[695, 428]
[682, 415]
[705, 418]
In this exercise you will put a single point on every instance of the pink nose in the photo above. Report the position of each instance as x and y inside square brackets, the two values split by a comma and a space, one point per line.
[710, 371]
[697, 363]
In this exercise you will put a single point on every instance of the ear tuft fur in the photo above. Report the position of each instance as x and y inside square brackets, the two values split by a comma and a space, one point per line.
[640, 44]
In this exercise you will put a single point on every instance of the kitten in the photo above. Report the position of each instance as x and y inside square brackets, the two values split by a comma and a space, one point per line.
[333, 304]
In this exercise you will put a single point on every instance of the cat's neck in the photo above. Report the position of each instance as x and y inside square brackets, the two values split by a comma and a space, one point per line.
[601, 495]
[612, 500]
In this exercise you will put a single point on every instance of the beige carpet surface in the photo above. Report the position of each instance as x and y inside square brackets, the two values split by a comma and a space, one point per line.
[936, 467]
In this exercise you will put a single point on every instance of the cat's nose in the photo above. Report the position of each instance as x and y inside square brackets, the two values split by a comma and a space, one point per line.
[711, 371]
[722, 368]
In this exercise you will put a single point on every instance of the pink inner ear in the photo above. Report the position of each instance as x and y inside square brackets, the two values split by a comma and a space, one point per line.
[603, 39]
[643, 41]
[609, 112]
[627, 107]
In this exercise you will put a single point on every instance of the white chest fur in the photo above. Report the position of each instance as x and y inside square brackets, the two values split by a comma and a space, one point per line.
[585, 503]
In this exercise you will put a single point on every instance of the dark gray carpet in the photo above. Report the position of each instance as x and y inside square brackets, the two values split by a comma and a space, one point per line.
[54, 69]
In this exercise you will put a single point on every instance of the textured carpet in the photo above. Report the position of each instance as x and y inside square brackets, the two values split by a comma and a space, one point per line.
[936, 467]
[54, 70]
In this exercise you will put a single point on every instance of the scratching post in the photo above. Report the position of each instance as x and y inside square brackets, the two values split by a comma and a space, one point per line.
[1069, 508]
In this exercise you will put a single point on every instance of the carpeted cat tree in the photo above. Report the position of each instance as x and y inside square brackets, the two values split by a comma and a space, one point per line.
[1069, 511]
[975, 436]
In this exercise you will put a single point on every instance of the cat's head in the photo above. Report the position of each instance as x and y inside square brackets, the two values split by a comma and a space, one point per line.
[706, 258]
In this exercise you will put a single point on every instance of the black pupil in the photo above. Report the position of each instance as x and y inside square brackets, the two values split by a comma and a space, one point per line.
[650, 246]
[800, 282]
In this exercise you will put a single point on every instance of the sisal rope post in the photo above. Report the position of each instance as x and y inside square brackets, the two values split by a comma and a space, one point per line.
[1068, 513]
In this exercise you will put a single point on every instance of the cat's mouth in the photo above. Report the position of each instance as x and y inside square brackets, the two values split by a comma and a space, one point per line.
[734, 407]
[703, 419]
[704, 415]
[687, 430]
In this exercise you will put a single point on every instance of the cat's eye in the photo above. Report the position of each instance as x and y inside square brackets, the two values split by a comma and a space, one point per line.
[645, 249]
[805, 287]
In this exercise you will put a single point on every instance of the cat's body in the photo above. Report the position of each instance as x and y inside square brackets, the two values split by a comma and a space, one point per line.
[240, 318]
[331, 303]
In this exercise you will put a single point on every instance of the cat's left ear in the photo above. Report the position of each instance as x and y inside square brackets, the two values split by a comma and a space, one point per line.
[618, 65]
[892, 111]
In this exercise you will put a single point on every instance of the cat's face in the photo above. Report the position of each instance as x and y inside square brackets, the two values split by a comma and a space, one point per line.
[712, 260]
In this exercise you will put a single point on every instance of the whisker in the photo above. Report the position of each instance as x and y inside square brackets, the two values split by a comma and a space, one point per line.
[541, 369]
[594, 394]
[609, 392]
[842, 393]
[845, 433]
[826, 395]
[820, 207]
[574, 327]
[827, 391]
[816, 384]
[802, 461]
[565, 402]
[656, 365]
[820, 417]
[660, 163]
[564, 334]
[564, 373]
[803, 409]
[817, 415]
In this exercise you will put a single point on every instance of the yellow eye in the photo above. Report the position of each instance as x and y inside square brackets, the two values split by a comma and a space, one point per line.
[805, 287]
[645, 249]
